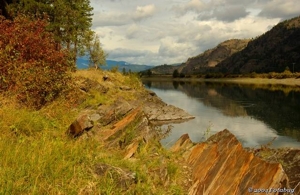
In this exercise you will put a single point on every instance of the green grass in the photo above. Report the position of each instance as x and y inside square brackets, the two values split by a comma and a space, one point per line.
[38, 158]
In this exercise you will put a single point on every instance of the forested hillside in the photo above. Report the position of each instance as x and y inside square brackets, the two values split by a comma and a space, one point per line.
[204, 62]
[273, 51]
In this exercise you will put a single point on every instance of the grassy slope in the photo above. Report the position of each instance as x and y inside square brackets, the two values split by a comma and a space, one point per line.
[37, 157]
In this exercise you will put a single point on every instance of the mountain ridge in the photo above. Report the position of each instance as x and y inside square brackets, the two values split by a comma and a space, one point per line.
[273, 51]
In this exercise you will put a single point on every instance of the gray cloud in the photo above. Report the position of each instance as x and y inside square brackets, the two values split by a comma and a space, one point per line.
[121, 18]
[281, 9]
[230, 13]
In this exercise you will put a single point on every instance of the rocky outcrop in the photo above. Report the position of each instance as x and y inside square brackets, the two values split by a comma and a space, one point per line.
[221, 166]
[86, 84]
[290, 160]
[152, 107]
[159, 112]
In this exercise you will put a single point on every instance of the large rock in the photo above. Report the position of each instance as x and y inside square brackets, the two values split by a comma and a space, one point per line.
[159, 112]
[113, 112]
[290, 160]
[221, 166]
[81, 124]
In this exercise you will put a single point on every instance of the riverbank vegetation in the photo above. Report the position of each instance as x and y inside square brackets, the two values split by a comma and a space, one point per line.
[41, 95]
[273, 78]
[38, 158]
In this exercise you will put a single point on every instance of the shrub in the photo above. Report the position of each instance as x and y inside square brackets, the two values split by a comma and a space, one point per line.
[33, 66]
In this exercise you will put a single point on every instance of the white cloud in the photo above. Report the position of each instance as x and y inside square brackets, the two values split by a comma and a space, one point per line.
[143, 12]
[193, 6]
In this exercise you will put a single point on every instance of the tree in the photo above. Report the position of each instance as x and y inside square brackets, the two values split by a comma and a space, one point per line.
[149, 73]
[34, 74]
[69, 20]
[124, 71]
[95, 52]
[175, 73]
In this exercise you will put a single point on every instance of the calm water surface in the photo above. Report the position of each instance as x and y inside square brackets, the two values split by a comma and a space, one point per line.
[254, 115]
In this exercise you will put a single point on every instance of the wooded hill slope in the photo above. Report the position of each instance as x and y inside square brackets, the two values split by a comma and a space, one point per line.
[271, 52]
[210, 58]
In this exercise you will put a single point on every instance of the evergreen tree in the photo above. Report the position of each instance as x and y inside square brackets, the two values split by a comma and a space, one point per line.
[69, 20]
[175, 73]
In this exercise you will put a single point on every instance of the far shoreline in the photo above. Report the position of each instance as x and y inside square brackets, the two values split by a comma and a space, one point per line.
[246, 80]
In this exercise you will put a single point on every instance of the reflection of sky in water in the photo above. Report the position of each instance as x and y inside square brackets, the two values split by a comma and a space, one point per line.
[251, 132]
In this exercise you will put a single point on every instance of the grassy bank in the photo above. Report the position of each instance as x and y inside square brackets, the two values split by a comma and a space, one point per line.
[38, 158]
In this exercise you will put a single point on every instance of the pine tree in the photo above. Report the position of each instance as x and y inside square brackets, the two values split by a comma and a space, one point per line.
[69, 20]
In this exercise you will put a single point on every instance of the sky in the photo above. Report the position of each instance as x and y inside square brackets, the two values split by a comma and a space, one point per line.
[171, 31]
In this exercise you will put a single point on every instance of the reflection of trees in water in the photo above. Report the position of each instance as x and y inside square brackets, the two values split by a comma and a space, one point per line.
[175, 84]
[295, 133]
[148, 84]
[280, 109]
[277, 108]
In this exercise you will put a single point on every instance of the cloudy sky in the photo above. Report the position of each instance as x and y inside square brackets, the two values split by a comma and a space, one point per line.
[170, 31]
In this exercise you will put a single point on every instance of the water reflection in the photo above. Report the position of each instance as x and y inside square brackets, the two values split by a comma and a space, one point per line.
[254, 115]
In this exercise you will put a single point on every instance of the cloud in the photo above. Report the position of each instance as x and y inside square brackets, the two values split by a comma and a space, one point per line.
[132, 31]
[165, 32]
[143, 12]
[191, 6]
[127, 53]
[281, 9]
[114, 18]
[230, 13]
[111, 19]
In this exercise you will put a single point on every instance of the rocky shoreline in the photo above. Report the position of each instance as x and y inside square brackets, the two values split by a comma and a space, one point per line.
[218, 166]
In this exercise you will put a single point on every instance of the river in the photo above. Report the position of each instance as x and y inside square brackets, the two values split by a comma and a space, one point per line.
[256, 115]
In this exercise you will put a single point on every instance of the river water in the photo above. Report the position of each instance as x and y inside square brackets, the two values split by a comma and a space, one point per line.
[256, 115]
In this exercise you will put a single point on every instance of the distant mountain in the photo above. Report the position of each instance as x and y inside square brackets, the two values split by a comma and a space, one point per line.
[164, 69]
[83, 63]
[210, 58]
[273, 51]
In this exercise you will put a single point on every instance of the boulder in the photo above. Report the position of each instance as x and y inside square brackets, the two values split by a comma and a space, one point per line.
[125, 88]
[221, 166]
[81, 124]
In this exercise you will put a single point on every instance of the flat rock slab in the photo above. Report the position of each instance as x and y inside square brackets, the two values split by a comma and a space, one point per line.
[221, 166]
[158, 111]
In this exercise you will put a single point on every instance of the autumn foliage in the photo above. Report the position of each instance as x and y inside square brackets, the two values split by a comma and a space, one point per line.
[32, 65]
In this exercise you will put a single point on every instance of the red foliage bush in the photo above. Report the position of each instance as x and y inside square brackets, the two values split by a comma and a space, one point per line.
[32, 65]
